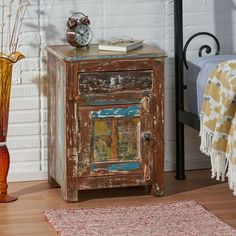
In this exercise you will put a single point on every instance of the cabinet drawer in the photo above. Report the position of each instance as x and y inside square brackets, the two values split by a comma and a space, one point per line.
[111, 82]
[110, 86]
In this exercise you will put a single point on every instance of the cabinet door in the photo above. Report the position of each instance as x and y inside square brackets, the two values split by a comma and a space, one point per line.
[115, 139]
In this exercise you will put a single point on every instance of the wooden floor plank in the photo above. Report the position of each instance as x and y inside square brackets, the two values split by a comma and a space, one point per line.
[25, 216]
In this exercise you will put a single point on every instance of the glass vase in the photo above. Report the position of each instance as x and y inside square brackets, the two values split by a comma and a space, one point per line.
[6, 64]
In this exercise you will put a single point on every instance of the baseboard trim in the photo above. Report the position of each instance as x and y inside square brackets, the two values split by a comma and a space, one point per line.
[43, 175]
[190, 165]
[27, 176]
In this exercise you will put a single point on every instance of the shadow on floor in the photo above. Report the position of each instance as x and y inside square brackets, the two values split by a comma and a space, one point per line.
[38, 187]
[194, 180]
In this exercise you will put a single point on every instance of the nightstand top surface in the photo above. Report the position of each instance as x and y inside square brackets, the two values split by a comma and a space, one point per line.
[68, 53]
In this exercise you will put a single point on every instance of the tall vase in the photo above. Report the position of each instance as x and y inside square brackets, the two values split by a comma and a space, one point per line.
[6, 64]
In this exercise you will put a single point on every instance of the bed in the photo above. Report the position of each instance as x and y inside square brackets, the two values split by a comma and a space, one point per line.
[196, 77]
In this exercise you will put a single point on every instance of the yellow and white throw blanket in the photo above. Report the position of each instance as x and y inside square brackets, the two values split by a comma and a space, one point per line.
[218, 122]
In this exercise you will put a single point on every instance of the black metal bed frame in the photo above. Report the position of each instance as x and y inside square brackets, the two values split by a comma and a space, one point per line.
[184, 117]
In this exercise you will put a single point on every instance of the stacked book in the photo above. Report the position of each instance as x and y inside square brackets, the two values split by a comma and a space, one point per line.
[120, 45]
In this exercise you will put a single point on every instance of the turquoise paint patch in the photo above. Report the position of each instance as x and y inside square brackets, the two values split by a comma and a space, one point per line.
[124, 167]
[117, 167]
[117, 112]
[92, 167]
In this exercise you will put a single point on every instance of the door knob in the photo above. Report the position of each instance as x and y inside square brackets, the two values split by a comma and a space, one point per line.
[147, 136]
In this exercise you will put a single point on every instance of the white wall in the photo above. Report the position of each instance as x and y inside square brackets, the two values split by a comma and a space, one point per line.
[150, 20]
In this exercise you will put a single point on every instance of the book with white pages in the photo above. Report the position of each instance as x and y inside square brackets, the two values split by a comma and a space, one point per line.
[120, 45]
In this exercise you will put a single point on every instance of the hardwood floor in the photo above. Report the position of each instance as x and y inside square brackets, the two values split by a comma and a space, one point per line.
[25, 216]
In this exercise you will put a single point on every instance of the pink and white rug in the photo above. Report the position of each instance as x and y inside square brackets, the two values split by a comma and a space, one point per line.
[186, 218]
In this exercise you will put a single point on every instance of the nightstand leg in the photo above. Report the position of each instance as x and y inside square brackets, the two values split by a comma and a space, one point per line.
[70, 195]
[52, 182]
[157, 190]
[158, 170]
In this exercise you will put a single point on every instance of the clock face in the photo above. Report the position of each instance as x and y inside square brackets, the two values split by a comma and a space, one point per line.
[83, 35]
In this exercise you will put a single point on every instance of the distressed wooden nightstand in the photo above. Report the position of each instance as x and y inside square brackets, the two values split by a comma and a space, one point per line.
[105, 114]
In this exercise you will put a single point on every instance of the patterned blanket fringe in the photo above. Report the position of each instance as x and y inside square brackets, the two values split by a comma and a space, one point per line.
[206, 141]
[219, 165]
[219, 162]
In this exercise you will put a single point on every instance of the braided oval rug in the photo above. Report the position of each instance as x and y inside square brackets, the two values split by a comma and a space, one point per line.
[165, 219]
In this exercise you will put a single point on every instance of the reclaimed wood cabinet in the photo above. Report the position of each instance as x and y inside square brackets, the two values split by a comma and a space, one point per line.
[105, 119]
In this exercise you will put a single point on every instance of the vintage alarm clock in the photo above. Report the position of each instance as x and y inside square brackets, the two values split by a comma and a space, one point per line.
[78, 33]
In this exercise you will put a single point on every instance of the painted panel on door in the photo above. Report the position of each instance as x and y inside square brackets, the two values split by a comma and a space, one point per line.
[128, 132]
[116, 134]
